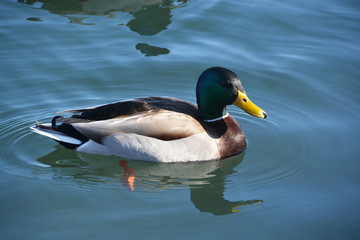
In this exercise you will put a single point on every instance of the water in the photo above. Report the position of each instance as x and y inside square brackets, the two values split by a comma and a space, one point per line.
[299, 61]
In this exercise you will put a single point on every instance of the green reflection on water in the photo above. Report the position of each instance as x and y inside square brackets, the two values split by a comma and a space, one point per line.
[149, 17]
[149, 50]
[150, 20]
[205, 180]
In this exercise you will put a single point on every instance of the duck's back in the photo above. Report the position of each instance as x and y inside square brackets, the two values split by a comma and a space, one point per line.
[134, 106]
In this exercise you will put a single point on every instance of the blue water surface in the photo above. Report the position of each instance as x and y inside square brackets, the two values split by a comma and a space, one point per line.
[299, 178]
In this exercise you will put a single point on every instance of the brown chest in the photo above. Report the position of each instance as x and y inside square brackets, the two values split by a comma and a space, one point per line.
[229, 136]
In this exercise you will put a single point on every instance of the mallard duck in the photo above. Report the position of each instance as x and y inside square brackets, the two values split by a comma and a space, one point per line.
[161, 129]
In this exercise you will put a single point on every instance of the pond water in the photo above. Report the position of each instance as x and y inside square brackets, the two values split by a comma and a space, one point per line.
[299, 178]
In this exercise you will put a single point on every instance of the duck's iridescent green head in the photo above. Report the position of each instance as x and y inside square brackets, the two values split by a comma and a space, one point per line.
[218, 87]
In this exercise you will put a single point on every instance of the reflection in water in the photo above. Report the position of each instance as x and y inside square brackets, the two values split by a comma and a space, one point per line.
[33, 19]
[150, 20]
[149, 50]
[206, 180]
[128, 177]
[150, 17]
[210, 196]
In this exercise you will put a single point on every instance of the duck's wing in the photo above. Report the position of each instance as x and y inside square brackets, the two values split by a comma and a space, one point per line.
[156, 117]
[133, 106]
[112, 110]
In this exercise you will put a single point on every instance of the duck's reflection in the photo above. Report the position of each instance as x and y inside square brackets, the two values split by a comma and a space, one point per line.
[206, 180]
[149, 17]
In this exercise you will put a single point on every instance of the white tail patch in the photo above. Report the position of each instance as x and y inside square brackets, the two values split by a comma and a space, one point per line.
[58, 136]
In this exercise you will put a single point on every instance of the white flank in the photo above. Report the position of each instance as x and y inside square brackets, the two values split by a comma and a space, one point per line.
[94, 148]
[197, 147]
[193, 148]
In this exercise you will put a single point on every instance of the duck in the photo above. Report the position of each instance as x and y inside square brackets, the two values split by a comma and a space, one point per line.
[161, 129]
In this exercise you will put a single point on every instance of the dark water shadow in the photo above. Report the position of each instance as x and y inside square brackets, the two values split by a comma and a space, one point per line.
[205, 180]
[149, 50]
[148, 17]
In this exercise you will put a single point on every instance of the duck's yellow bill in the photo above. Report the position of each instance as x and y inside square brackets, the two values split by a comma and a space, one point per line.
[248, 106]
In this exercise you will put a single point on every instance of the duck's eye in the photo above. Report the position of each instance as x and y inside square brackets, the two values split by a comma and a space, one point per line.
[244, 100]
[223, 84]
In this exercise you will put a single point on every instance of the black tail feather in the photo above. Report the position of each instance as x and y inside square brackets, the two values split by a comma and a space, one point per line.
[68, 130]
